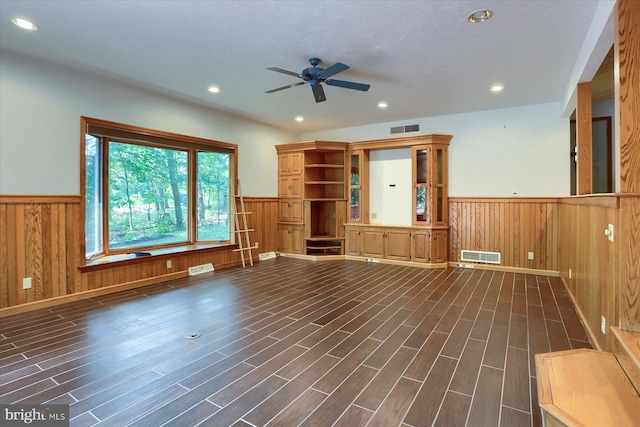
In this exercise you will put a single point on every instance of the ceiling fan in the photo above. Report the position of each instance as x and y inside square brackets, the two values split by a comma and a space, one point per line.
[315, 75]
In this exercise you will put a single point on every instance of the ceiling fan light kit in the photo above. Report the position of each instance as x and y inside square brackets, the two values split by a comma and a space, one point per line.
[315, 75]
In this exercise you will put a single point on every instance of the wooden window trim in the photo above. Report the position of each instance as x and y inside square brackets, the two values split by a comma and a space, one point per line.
[140, 135]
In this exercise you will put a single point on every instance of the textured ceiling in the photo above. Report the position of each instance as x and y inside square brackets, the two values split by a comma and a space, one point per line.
[421, 57]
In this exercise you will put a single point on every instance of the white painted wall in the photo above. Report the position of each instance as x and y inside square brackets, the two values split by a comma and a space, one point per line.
[493, 153]
[40, 108]
[390, 187]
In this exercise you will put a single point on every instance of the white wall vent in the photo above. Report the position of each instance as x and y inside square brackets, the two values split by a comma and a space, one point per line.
[479, 256]
[266, 255]
[200, 269]
[405, 129]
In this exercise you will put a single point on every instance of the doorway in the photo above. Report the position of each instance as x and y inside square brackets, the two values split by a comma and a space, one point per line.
[601, 153]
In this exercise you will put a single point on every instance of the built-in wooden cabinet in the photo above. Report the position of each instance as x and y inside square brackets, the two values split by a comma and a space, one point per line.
[324, 188]
[416, 244]
[312, 195]
[425, 239]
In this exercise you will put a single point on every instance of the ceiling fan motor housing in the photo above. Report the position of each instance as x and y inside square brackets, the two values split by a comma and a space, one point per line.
[310, 74]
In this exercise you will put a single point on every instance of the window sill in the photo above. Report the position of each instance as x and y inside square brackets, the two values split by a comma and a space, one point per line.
[120, 260]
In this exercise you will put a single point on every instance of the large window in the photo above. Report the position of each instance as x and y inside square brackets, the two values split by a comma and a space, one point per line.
[146, 189]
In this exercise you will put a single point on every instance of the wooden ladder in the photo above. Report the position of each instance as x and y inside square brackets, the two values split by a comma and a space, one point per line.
[241, 228]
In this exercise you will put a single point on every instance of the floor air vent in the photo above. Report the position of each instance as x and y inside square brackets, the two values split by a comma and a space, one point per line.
[405, 129]
[200, 269]
[479, 256]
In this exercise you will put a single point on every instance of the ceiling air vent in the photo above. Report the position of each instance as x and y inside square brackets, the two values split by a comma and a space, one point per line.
[479, 256]
[404, 129]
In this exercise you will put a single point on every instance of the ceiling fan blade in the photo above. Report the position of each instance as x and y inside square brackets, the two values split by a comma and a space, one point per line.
[280, 70]
[349, 85]
[318, 92]
[284, 87]
[336, 68]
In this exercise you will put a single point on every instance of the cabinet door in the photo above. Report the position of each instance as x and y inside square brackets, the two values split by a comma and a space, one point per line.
[439, 246]
[440, 200]
[290, 186]
[421, 172]
[290, 210]
[290, 164]
[353, 241]
[397, 244]
[421, 246]
[372, 243]
[290, 238]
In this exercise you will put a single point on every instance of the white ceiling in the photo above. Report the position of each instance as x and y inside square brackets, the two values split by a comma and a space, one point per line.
[421, 57]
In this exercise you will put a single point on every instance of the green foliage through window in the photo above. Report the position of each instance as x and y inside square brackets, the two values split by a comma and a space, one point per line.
[148, 196]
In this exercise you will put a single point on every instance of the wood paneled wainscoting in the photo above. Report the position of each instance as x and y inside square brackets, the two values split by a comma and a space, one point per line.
[40, 238]
[512, 226]
[602, 276]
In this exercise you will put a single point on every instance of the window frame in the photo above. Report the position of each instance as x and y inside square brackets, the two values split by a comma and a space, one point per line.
[118, 132]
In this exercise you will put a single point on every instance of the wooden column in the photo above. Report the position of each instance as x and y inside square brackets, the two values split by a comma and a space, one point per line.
[627, 99]
[627, 96]
[584, 180]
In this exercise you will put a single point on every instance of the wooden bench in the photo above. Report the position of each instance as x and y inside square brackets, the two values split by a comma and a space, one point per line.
[585, 387]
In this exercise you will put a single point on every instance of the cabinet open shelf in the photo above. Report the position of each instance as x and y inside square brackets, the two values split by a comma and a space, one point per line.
[325, 166]
[324, 182]
[325, 246]
[322, 238]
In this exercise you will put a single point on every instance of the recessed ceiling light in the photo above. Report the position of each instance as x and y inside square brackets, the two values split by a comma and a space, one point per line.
[213, 89]
[497, 88]
[382, 105]
[299, 119]
[480, 16]
[24, 24]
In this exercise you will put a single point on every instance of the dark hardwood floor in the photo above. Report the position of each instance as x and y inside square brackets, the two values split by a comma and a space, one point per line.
[292, 342]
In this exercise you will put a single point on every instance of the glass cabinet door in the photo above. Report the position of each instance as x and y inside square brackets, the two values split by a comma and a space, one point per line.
[355, 187]
[440, 214]
[421, 166]
[421, 214]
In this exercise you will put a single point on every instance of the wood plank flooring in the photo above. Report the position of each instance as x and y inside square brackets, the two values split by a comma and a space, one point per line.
[294, 342]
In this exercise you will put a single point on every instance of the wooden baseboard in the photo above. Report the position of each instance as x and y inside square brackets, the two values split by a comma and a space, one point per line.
[583, 319]
[8, 311]
[397, 262]
[550, 273]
